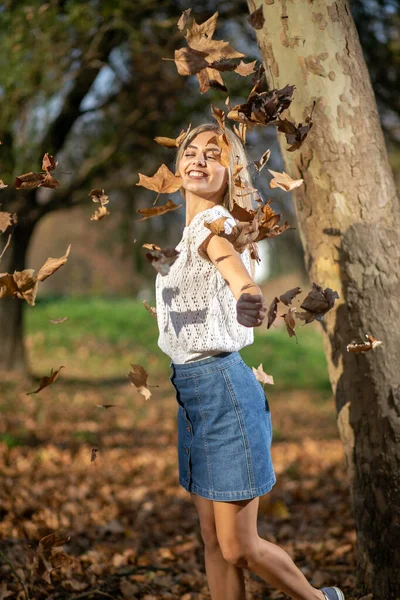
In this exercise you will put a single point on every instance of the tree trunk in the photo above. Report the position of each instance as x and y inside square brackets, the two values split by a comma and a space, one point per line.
[12, 355]
[348, 220]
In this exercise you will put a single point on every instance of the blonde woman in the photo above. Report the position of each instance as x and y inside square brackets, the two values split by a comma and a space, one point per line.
[224, 421]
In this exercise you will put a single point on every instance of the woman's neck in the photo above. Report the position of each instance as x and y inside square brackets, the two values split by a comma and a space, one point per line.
[196, 204]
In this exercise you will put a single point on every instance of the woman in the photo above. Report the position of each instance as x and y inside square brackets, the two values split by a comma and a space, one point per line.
[224, 425]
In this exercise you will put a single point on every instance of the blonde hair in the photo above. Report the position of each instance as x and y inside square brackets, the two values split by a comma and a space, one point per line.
[237, 156]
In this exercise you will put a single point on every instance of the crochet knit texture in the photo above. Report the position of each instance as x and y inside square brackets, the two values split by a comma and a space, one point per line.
[196, 310]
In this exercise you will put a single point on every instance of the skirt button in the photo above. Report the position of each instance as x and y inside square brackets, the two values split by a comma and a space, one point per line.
[188, 428]
[187, 450]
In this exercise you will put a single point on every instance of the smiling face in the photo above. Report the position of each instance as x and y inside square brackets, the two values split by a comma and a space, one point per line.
[200, 170]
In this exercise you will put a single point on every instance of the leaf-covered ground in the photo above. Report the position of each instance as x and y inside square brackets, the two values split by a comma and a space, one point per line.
[133, 530]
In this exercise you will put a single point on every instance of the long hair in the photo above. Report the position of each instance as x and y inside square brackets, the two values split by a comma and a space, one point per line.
[237, 156]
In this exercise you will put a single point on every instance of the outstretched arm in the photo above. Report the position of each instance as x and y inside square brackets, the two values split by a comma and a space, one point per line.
[250, 308]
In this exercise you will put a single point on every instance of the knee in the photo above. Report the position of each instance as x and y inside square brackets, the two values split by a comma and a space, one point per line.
[239, 554]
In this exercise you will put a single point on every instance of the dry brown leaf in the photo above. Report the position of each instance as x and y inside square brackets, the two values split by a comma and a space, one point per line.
[261, 376]
[163, 182]
[272, 311]
[29, 181]
[171, 142]
[290, 321]
[295, 134]
[49, 556]
[58, 321]
[52, 265]
[161, 259]
[4, 592]
[2, 185]
[138, 377]
[219, 116]
[241, 235]
[100, 213]
[223, 143]
[262, 108]
[199, 37]
[241, 131]
[184, 19]
[46, 381]
[7, 220]
[259, 164]
[93, 454]
[48, 162]
[317, 303]
[283, 181]
[210, 78]
[190, 61]
[98, 195]
[157, 210]
[245, 69]
[21, 284]
[150, 309]
[363, 346]
[288, 296]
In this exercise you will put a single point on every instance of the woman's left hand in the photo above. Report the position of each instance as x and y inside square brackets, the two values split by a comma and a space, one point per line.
[251, 310]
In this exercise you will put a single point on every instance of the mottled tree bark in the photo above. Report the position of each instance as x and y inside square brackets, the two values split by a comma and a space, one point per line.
[348, 219]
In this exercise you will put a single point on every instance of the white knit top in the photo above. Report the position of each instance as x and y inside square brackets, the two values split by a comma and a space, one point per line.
[196, 310]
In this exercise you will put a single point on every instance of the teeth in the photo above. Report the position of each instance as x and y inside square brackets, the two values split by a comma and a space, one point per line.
[197, 174]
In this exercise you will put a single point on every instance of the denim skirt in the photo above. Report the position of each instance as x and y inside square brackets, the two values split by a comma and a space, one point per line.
[224, 429]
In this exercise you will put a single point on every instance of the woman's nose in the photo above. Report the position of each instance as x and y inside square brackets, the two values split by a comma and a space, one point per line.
[199, 160]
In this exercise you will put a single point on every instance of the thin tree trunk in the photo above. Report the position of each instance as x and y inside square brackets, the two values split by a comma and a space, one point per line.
[348, 220]
[12, 354]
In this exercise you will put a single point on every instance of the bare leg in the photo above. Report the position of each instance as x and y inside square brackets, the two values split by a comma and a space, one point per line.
[224, 580]
[275, 566]
[236, 525]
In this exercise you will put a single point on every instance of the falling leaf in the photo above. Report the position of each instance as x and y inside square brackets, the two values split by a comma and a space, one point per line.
[7, 220]
[256, 19]
[58, 321]
[171, 142]
[219, 116]
[93, 454]
[48, 163]
[49, 555]
[189, 61]
[106, 405]
[138, 377]
[46, 381]
[241, 131]
[363, 346]
[272, 311]
[210, 78]
[52, 265]
[240, 235]
[290, 321]
[245, 69]
[283, 181]
[161, 259]
[295, 135]
[184, 19]
[223, 143]
[49, 182]
[150, 309]
[288, 296]
[259, 164]
[98, 195]
[317, 303]
[163, 182]
[262, 108]
[100, 213]
[157, 210]
[261, 376]
[2, 185]
[29, 181]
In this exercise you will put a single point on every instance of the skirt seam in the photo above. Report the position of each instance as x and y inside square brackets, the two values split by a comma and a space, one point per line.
[244, 436]
[204, 435]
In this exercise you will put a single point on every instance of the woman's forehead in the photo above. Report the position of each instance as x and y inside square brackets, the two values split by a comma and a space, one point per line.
[203, 139]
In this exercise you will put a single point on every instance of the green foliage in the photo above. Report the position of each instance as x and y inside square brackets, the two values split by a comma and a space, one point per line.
[104, 335]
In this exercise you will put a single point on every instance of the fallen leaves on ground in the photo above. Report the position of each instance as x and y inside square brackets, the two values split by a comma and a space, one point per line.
[132, 529]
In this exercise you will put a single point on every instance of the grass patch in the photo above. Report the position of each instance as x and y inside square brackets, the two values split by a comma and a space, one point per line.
[104, 335]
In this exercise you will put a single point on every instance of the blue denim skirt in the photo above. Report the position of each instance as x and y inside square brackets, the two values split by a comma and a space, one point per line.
[224, 429]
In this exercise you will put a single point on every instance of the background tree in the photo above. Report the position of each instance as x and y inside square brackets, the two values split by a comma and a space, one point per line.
[348, 217]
